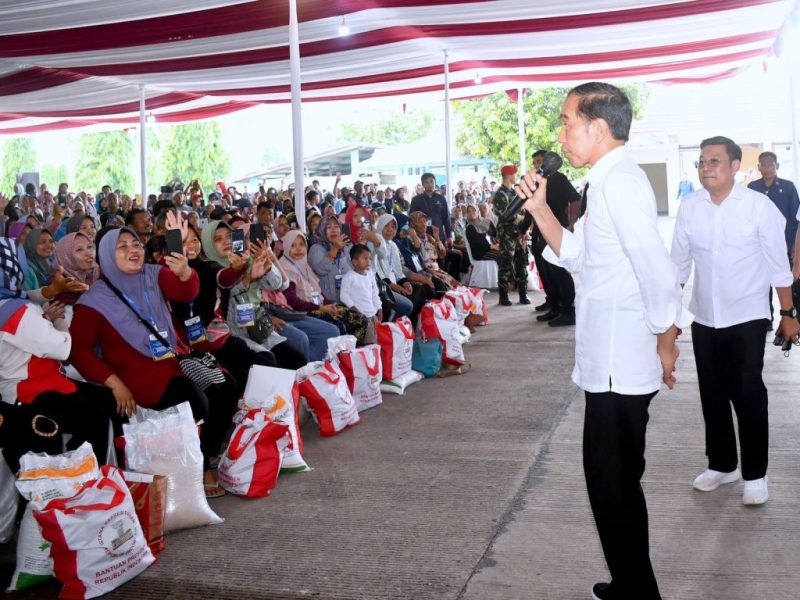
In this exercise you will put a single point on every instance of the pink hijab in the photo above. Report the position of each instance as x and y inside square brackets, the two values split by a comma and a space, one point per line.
[65, 256]
[298, 271]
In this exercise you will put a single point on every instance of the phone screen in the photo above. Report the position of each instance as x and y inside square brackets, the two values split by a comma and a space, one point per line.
[174, 241]
[346, 230]
[366, 224]
[257, 233]
[237, 241]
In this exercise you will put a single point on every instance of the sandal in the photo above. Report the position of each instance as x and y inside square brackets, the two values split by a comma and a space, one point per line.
[213, 490]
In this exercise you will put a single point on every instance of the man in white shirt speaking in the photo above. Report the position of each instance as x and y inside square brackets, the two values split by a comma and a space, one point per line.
[628, 311]
[735, 237]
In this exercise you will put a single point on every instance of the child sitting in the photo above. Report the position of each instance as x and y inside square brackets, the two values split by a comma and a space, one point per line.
[360, 290]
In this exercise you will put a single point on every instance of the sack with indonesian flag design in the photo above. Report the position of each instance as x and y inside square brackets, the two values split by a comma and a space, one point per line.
[397, 344]
[438, 321]
[324, 389]
[363, 371]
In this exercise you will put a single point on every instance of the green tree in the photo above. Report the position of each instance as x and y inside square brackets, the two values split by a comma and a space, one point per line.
[488, 126]
[194, 151]
[398, 128]
[53, 175]
[19, 156]
[105, 158]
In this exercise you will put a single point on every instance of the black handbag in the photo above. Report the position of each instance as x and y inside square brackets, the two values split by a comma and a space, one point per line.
[262, 325]
[198, 367]
[286, 314]
[385, 292]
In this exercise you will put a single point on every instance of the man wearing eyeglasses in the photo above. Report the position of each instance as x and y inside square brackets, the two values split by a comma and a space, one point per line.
[735, 237]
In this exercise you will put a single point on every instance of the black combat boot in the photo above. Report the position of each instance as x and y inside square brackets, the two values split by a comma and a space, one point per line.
[523, 295]
[504, 301]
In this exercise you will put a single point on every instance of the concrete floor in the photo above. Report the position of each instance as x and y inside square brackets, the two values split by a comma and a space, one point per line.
[471, 487]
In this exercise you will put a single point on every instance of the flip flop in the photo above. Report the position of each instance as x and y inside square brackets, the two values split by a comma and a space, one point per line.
[209, 490]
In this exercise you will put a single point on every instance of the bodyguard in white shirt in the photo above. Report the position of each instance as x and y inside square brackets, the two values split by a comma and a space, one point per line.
[628, 311]
[735, 237]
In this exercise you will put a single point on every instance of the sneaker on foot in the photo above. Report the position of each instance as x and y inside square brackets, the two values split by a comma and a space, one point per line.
[601, 591]
[541, 307]
[709, 480]
[755, 491]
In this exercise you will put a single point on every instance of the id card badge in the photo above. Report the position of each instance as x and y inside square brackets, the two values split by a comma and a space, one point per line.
[195, 330]
[158, 349]
[417, 262]
[317, 298]
[245, 315]
[338, 282]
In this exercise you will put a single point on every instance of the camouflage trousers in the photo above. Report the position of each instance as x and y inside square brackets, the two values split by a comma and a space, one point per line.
[513, 262]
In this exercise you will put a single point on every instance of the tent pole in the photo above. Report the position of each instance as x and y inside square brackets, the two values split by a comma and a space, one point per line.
[143, 145]
[791, 64]
[521, 128]
[447, 155]
[297, 122]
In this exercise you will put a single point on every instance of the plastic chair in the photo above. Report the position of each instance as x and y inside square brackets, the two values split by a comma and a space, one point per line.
[483, 273]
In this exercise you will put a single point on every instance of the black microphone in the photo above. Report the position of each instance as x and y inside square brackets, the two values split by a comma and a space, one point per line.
[551, 162]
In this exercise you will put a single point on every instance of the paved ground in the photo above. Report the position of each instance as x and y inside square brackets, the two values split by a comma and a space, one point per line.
[470, 488]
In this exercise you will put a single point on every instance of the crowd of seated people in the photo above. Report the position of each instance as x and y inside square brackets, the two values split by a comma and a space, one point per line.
[92, 296]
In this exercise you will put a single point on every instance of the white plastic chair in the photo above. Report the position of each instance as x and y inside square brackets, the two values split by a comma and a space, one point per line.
[483, 273]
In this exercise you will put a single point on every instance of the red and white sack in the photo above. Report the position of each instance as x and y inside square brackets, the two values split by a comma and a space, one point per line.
[462, 301]
[324, 391]
[399, 384]
[438, 321]
[363, 371]
[397, 344]
[276, 392]
[97, 541]
[43, 478]
[341, 343]
[252, 461]
[166, 442]
[479, 306]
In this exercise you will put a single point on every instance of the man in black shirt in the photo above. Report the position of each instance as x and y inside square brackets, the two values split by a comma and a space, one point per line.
[434, 204]
[558, 283]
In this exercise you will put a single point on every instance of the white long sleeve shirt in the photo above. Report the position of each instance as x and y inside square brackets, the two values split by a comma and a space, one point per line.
[629, 289]
[361, 291]
[738, 250]
[390, 266]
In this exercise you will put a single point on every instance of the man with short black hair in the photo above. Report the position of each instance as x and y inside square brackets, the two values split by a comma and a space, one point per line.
[139, 220]
[627, 319]
[735, 238]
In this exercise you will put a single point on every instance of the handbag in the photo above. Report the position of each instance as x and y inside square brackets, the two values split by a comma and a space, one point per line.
[199, 367]
[286, 314]
[262, 325]
[385, 292]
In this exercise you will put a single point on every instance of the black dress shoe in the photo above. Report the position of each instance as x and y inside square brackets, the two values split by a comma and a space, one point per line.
[548, 316]
[543, 306]
[563, 320]
[601, 591]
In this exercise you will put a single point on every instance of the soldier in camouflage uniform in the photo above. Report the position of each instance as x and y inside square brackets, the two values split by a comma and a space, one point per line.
[513, 261]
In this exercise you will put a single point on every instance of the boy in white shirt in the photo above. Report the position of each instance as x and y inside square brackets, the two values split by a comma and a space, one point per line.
[360, 290]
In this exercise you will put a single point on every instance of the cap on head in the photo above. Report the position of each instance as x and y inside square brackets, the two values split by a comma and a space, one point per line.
[509, 170]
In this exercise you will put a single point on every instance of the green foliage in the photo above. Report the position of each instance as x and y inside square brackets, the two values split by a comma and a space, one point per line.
[105, 158]
[489, 125]
[194, 151]
[53, 175]
[19, 156]
[396, 129]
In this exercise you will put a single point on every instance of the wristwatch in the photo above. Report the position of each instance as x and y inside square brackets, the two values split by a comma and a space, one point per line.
[792, 312]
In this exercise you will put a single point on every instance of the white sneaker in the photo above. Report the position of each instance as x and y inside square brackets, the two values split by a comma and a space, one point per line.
[709, 480]
[755, 491]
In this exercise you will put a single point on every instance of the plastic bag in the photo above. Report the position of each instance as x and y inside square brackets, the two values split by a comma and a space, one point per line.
[324, 390]
[399, 384]
[427, 357]
[462, 300]
[9, 499]
[97, 542]
[276, 391]
[43, 478]
[149, 494]
[397, 344]
[479, 306]
[166, 443]
[252, 461]
[342, 343]
[363, 371]
[438, 321]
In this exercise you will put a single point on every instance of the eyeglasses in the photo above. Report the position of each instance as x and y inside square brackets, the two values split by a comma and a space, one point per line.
[711, 162]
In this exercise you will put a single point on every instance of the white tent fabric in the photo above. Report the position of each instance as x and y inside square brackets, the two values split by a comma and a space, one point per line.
[68, 63]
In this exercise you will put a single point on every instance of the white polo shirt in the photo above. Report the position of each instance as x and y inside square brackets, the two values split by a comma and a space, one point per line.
[738, 249]
[629, 289]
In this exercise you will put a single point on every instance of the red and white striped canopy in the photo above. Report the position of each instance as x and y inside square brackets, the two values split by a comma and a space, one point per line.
[68, 63]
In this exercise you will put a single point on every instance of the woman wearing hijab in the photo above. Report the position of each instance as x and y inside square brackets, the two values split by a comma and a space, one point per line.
[39, 402]
[133, 363]
[40, 251]
[217, 246]
[329, 257]
[83, 223]
[304, 292]
[19, 232]
[76, 255]
[478, 231]
[409, 296]
[211, 333]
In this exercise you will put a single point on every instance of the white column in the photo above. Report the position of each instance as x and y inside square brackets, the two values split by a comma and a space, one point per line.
[792, 65]
[521, 128]
[297, 121]
[143, 145]
[447, 155]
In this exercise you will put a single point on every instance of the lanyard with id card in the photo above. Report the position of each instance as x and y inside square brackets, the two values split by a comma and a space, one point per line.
[245, 314]
[195, 330]
[158, 349]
